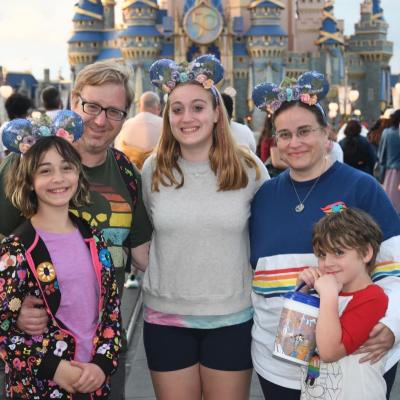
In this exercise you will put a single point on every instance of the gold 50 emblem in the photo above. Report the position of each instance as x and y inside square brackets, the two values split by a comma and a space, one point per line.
[203, 23]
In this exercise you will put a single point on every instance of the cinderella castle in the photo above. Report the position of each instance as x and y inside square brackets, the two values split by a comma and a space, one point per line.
[260, 40]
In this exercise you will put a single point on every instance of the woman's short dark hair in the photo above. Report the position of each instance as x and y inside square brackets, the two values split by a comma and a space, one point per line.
[315, 109]
[353, 128]
[19, 184]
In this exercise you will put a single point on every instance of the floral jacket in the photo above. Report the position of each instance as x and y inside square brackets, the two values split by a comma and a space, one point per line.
[31, 361]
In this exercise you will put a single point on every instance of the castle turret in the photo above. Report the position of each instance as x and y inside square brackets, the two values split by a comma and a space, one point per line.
[368, 57]
[87, 40]
[266, 41]
[109, 17]
[140, 40]
[309, 19]
[331, 43]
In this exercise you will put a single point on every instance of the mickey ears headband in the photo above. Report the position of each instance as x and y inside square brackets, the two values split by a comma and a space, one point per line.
[206, 70]
[310, 88]
[20, 134]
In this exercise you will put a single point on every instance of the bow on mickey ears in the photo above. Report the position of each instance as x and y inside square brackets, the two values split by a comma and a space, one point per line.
[310, 88]
[20, 134]
[206, 70]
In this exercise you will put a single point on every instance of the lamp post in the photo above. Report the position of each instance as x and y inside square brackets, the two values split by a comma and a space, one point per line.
[396, 96]
[333, 111]
[353, 97]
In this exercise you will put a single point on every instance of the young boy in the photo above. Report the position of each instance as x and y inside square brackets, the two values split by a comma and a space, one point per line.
[346, 244]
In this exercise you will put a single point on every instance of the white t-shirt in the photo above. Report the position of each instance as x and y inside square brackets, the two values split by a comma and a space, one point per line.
[243, 135]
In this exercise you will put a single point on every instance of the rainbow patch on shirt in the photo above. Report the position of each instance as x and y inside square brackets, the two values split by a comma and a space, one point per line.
[334, 207]
[275, 282]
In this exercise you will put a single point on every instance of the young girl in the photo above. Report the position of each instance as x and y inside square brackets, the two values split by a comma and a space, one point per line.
[197, 190]
[57, 258]
[346, 244]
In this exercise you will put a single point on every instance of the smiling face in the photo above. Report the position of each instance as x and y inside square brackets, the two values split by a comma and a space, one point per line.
[55, 181]
[192, 117]
[348, 266]
[99, 131]
[305, 156]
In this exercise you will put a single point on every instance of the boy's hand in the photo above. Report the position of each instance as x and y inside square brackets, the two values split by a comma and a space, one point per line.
[328, 284]
[66, 375]
[309, 276]
[91, 379]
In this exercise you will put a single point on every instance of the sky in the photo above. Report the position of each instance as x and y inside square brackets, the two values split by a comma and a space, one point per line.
[34, 33]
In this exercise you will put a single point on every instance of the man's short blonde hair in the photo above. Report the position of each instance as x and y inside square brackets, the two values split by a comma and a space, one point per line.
[103, 72]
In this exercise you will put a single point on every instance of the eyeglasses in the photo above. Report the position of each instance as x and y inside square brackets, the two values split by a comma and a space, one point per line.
[302, 133]
[95, 109]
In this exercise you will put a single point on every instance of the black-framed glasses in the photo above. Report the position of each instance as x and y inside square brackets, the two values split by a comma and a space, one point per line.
[96, 109]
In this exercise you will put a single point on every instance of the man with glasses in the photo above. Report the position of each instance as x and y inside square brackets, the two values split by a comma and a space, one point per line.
[101, 96]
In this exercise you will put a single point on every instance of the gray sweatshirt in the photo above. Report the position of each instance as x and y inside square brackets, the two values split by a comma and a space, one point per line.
[199, 255]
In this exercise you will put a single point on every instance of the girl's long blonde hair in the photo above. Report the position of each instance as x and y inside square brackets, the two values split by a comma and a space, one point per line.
[227, 159]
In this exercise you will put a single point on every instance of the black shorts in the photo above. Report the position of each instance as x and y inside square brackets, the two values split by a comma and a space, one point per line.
[170, 348]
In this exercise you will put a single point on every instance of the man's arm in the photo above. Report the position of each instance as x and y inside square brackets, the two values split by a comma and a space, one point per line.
[140, 256]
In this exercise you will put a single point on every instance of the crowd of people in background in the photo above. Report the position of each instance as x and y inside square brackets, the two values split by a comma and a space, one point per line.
[186, 201]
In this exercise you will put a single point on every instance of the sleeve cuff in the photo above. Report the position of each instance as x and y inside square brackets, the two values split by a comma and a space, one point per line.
[107, 365]
[48, 366]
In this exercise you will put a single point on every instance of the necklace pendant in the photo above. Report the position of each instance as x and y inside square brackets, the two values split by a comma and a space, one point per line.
[299, 208]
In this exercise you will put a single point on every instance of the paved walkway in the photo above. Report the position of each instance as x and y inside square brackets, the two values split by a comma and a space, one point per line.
[138, 383]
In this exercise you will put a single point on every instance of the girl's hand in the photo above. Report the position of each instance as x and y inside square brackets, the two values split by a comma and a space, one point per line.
[328, 284]
[309, 276]
[91, 379]
[66, 375]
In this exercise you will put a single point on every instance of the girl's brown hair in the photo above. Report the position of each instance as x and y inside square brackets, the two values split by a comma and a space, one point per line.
[350, 229]
[225, 155]
[18, 187]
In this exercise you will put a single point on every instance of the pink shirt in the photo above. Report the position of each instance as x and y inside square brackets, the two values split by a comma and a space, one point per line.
[79, 289]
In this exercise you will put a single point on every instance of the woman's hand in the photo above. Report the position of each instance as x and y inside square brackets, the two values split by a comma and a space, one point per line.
[381, 340]
[309, 276]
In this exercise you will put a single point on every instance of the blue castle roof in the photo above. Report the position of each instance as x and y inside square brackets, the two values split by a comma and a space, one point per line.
[239, 49]
[269, 4]
[85, 36]
[215, 3]
[110, 35]
[88, 10]
[266, 30]
[15, 79]
[377, 10]
[140, 30]
[329, 33]
[167, 50]
[109, 53]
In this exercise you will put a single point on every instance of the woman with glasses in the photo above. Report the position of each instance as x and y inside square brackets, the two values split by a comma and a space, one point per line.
[284, 211]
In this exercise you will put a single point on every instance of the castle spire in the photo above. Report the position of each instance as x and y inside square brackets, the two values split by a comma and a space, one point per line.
[329, 33]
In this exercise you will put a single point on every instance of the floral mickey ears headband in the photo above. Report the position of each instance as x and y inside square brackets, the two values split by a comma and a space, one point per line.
[206, 70]
[310, 88]
[20, 134]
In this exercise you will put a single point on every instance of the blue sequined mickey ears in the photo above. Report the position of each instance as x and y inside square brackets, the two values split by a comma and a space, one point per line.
[206, 70]
[20, 134]
[310, 88]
